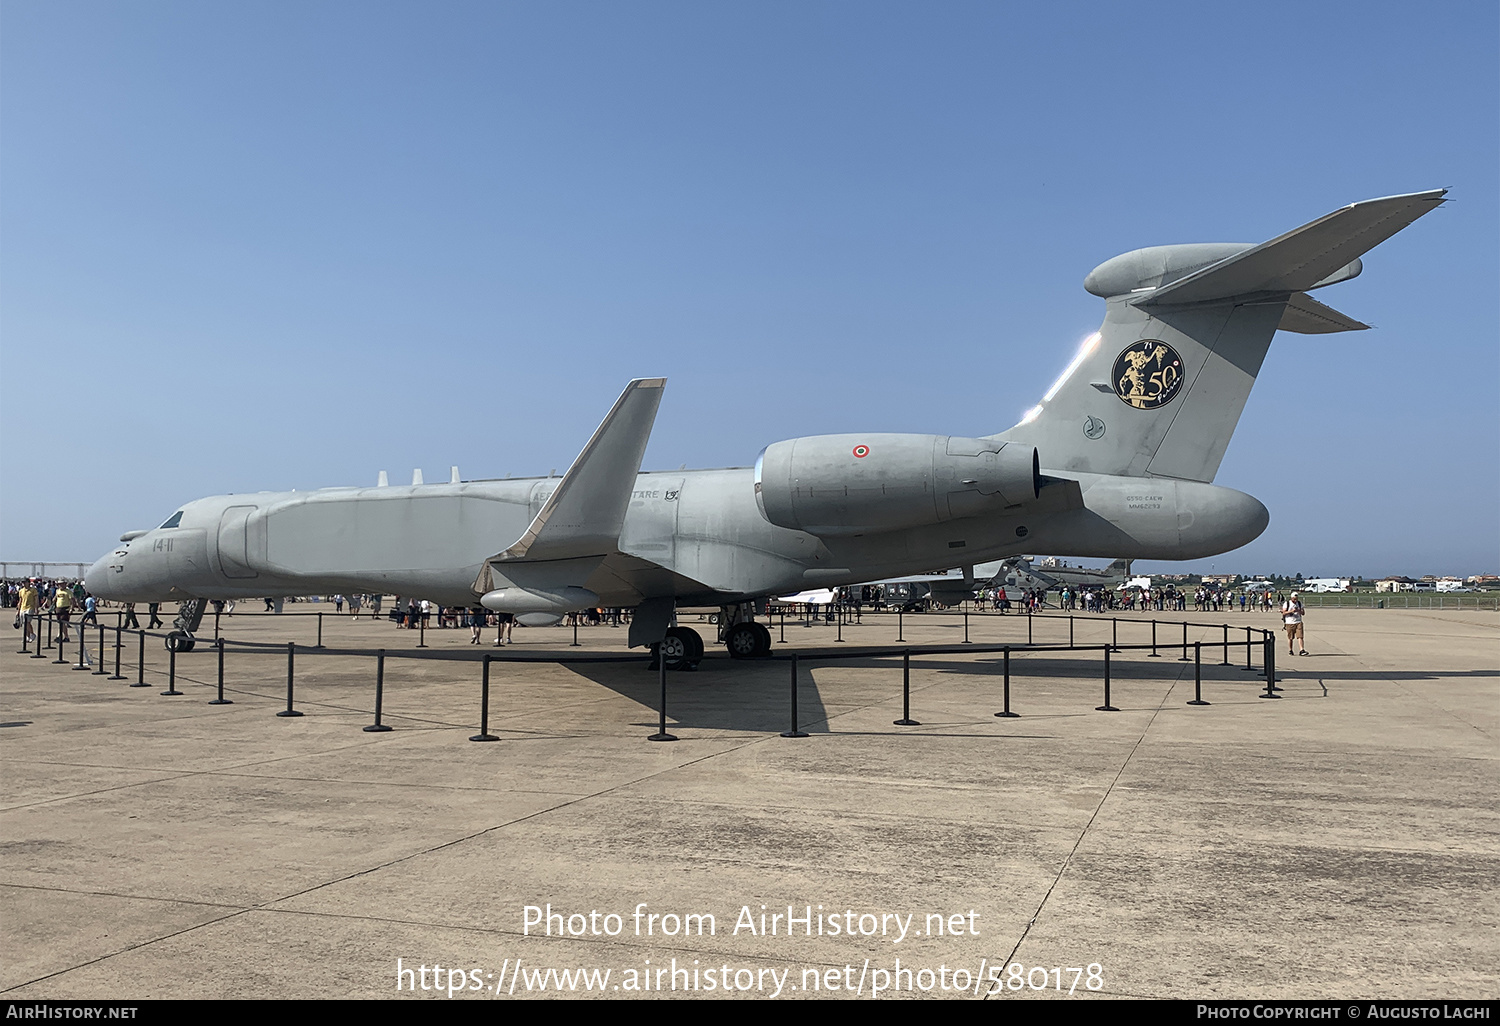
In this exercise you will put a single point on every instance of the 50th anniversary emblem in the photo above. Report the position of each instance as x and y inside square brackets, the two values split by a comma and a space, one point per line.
[1148, 374]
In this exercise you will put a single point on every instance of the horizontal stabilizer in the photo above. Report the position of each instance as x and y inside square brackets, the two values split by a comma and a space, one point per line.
[584, 515]
[1306, 316]
[1315, 254]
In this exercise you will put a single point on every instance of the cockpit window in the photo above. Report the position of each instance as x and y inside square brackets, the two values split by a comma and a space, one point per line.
[173, 520]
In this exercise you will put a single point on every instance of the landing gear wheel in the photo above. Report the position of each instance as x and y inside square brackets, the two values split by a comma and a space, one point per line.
[696, 640]
[743, 641]
[763, 639]
[180, 641]
[681, 648]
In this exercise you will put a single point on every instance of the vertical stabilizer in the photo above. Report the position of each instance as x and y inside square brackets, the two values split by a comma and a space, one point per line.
[1158, 390]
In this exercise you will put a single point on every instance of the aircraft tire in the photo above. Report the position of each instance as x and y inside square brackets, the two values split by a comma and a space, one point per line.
[681, 648]
[743, 641]
[762, 639]
[178, 641]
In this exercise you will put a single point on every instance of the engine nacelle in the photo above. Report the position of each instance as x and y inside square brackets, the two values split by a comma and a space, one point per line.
[853, 484]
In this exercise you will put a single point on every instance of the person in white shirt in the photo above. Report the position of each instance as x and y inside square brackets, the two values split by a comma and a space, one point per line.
[1291, 616]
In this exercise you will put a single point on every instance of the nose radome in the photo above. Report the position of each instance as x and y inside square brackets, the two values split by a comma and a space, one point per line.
[96, 579]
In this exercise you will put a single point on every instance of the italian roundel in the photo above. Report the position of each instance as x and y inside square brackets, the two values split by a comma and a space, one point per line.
[1148, 374]
[861, 451]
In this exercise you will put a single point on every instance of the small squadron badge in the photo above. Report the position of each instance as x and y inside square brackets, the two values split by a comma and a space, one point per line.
[1148, 375]
[1093, 428]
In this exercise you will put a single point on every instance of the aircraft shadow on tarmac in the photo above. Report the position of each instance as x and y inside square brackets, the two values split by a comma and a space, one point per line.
[750, 696]
[756, 696]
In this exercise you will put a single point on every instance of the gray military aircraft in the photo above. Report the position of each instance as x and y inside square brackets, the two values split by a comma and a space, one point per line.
[1025, 573]
[1116, 461]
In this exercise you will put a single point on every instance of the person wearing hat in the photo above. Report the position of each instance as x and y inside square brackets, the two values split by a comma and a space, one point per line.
[62, 604]
[1291, 616]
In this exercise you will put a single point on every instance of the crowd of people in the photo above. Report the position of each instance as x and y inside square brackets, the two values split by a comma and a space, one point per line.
[62, 599]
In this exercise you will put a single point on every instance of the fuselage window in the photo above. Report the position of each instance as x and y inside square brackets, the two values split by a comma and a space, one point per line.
[172, 521]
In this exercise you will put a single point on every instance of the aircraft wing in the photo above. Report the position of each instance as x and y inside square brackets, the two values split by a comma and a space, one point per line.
[1319, 253]
[580, 522]
[583, 517]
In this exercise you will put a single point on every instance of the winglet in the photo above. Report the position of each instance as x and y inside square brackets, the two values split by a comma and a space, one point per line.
[585, 513]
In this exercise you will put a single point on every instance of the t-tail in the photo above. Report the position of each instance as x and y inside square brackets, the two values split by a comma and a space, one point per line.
[1158, 390]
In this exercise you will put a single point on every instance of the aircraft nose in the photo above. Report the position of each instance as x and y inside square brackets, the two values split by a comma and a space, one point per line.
[96, 578]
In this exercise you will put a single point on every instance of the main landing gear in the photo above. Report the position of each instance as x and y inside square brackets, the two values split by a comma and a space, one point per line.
[739, 632]
[682, 648]
[748, 641]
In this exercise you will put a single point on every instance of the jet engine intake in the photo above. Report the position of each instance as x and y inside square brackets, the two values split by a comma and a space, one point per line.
[853, 484]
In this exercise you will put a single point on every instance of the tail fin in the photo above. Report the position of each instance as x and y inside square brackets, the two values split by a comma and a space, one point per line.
[1158, 390]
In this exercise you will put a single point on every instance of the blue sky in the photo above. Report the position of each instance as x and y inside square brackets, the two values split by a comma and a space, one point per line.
[286, 245]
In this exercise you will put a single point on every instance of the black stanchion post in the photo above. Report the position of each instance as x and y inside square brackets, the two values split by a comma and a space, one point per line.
[1183, 657]
[1006, 711]
[291, 657]
[575, 632]
[422, 632]
[49, 634]
[119, 644]
[1226, 646]
[377, 727]
[1154, 654]
[140, 660]
[661, 670]
[83, 652]
[320, 630]
[898, 626]
[1197, 674]
[1269, 655]
[840, 638]
[794, 732]
[783, 625]
[1114, 633]
[906, 720]
[1106, 707]
[484, 704]
[172, 673]
[61, 657]
[1028, 626]
[101, 671]
[216, 625]
[1249, 663]
[220, 700]
[966, 628]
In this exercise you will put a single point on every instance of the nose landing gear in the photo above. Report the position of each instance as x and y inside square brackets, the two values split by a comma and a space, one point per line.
[186, 622]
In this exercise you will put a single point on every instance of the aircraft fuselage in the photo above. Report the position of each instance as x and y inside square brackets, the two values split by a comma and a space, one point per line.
[697, 536]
